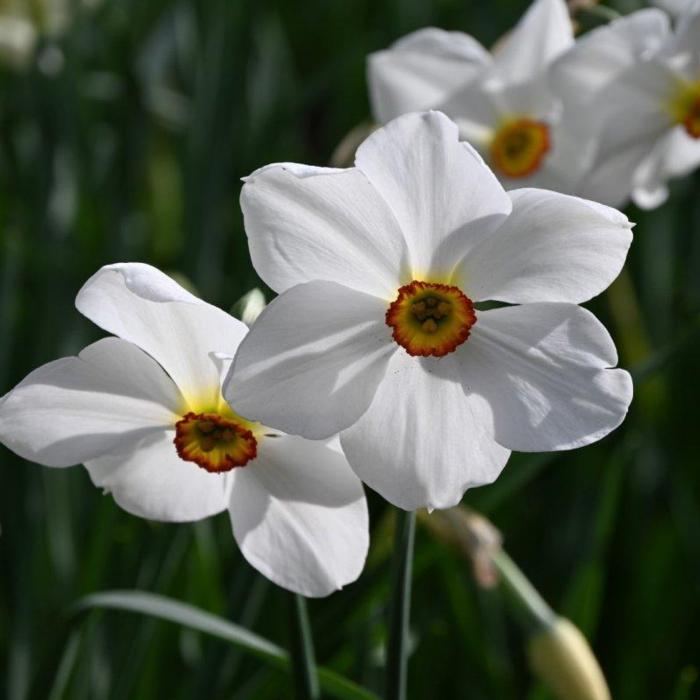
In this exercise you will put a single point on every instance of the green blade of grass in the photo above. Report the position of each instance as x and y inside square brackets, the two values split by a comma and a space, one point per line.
[303, 656]
[399, 612]
[193, 618]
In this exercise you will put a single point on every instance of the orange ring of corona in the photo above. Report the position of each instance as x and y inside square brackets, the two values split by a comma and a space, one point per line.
[214, 443]
[519, 147]
[430, 319]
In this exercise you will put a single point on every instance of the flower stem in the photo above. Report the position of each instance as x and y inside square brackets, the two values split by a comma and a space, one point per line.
[302, 648]
[399, 611]
[522, 590]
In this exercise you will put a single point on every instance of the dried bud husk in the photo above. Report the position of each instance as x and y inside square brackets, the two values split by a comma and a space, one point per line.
[562, 659]
[344, 154]
[472, 535]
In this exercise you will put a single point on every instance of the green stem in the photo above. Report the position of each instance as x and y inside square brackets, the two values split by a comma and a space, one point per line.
[522, 590]
[302, 651]
[399, 610]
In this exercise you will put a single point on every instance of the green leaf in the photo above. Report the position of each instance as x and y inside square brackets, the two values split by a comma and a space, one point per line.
[193, 618]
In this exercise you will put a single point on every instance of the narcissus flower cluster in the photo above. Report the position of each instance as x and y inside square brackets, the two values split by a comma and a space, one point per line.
[609, 116]
[380, 334]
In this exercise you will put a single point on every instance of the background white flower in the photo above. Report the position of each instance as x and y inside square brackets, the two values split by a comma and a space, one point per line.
[374, 333]
[298, 512]
[635, 86]
[503, 103]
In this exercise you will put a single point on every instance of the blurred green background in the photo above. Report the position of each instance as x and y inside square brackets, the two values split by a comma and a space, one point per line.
[124, 139]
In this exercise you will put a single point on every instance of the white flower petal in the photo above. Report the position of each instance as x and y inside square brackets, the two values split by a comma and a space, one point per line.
[151, 481]
[144, 306]
[73, 409]
[299, 515]
[305, 223]
[552, 247]
[477, 110]
[422, 442]
[421, 69]
[610, 180]
[543, 33]
[674, 7]
[602, 54]
[641, 92]
[630, 114]
[675, 154]
[686, 40]
[543, 368]
[482, 106]
[311, 363]
[440, 191]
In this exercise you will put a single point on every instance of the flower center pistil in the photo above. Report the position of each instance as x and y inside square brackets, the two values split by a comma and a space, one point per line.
[430, 319]
[214, 442]
[519, 146]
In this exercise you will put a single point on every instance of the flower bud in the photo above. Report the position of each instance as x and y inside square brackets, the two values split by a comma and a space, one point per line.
[250, 306]
[561, 657]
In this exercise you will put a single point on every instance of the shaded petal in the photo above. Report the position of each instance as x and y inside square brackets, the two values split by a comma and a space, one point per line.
[481, 107]
[552, 247]
[630, 116]
[423, 443]
[305, 223]
[299, 515]
[685, 43]
[442, 194]
[477, 110]
[74, 409]
[312, 362]
[675, 154]
[610, 180]
[543, 368]
[602, 54]
[421, 69]
[139, 303]
[673, 7]
[543, 33]
[641, 92]
[151, 481]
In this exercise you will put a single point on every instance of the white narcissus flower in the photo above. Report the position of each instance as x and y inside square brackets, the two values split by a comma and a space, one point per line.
[503, 104]
[637, 85]
[378, 334]
[144, 413]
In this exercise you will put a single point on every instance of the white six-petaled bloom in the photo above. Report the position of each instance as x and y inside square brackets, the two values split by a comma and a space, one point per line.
[144, 413]
[503, 104]
[635, 86]
[376, 334]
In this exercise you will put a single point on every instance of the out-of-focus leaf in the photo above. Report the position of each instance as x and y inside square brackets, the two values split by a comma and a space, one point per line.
[202, 621]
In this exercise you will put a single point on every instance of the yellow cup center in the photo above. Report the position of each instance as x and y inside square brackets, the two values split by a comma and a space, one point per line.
[214, 442]
[519, 146]
[430, 319]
